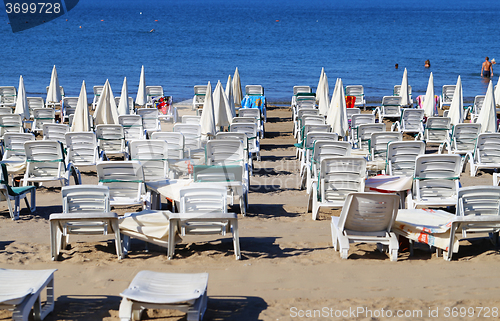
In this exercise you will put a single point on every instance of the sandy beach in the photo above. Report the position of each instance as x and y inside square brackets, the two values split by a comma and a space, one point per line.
[289, 269]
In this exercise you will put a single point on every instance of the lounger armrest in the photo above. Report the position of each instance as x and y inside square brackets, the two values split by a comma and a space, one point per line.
[202, 216]
[83, 216]
[477, 219]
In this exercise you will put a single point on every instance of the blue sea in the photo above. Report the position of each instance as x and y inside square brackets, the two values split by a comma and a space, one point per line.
[274, 43]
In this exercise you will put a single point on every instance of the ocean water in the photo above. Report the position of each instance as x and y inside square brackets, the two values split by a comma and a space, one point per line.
[275, 43]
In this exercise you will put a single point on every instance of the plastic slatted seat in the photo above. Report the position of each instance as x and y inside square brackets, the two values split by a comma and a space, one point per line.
[251, 130]
[68, 107]
[14, 155]
[356, 120]
[435, 181]
[231, 176]
[486, 154]
[45, 162]
[21, 291]
[390, 108]
[322, 149]
[364, 133]
[357, 91]
[366, 218]
[43, 116]
[111, 140]
[86, 211]
[55, 132]
[132, 127]
[152, 154]
[401, 157]
[378, 144]
[190, 119]
[153, 91]
[254, 90]
[199, 96]
[305, 152]
[11, 124]
[97, 96]
[338, 177]
[411, 122]
[192, 136]
[175, 143]
[82, 150]
[155, 290]
[397, 92]
[35, 102]
[125, 180]
[437, 130]
[150, 119]
[8, 96]
[446, 95]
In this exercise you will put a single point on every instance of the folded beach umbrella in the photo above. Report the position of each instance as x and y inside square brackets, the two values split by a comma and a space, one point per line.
[488, 114]
[497, 93]
[230, 96]
[54, 93]
[123, 107]
[323, 101]
[222, 109]
[140, 99]
[106, 111]
[238, 94]
[81, 116]
[456, 112]
[207, 120]
[404, 94]
[430, 108]
[22, 102]
[337, 114]
[319, 88]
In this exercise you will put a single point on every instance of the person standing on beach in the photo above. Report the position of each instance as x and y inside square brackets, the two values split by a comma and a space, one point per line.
[487, 68]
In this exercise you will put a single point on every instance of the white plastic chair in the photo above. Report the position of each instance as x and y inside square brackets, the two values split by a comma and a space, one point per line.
[305, 151]
[230, 176]
[251, 130]
[411, 121]
[401, 157]
[254, 90]
[358, 92]
[153, 91]
[435, 181]
[150, 119]
[132, 127]
[338, 177]
[97, 96]
[437, 130]
[356, 120]
[191, 119]
[378, 144]
[366, 218]
[192, 136]
[155, 290]
[82, 149]
[8, 96]
[8, 193]
[199, 96]
[45, 162]
[68, 107]
[390, 108]
[11, 124]
[86, 211]
[22, 292]
[111, 140]
[35, 102]
[125, 180]
[175, 143]
[352, 111]
[364, 133]
[55, 132]
[153, 155]
[43, 116]
[463, 139]
[486, 154]
[14, 155]
[397, 92]
[446, 95]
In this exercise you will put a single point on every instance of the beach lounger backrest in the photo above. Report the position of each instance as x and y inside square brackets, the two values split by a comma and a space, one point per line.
[301, 89]
[175, 143]
[465, 137]
[14, 146]
[81, 148]
[478, 201]
[340, 176]
[488, 149]
[364, 133]
[401, 157]
[153, 155]
[55, 132]
[379, 142]
[132, 126]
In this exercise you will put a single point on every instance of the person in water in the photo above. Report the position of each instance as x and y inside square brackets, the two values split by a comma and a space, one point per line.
[487, 68]
[427, 63]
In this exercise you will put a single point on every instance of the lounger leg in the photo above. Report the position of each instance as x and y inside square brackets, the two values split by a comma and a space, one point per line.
[126, 244]
[125, 312]
[54, 240]
[236, 239]
[118, 242]
[9, 205]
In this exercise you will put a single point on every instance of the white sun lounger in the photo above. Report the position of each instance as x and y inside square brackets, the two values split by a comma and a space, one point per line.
[20, 291]
[186, 292]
